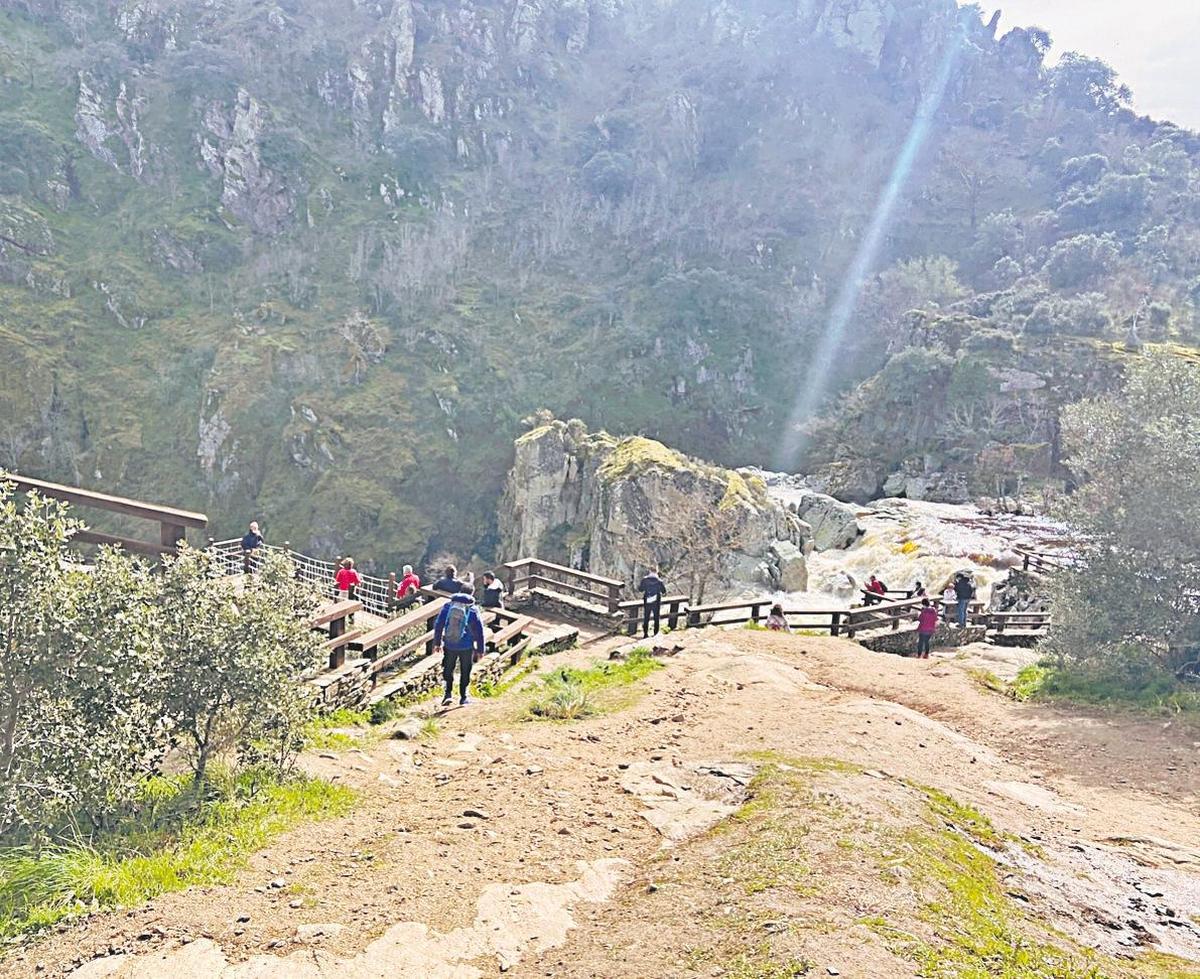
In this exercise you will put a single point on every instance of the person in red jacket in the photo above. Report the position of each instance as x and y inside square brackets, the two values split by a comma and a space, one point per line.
[927, 623]
[409, 583]
[876, 588]
[347, 579]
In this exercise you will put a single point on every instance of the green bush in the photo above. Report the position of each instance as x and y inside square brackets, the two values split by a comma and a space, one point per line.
[107, 671]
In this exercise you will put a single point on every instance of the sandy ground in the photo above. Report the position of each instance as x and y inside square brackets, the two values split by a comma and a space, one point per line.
[589, 848]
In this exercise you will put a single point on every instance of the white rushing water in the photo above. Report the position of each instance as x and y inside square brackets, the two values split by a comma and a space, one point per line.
[906, 541]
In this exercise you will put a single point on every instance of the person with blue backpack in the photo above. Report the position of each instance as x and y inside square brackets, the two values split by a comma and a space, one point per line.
[458, 635]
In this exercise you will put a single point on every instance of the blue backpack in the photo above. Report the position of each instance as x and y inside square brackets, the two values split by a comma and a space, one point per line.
[457, 632]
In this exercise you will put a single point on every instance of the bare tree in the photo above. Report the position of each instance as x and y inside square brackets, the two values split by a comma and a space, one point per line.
[690, 541]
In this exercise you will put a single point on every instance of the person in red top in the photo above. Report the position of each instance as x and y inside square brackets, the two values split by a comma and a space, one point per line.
[406, 590]
[927, 623]
[347, 579]
[876, 587]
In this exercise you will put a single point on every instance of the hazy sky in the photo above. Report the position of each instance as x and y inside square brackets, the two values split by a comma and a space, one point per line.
[1153, 44]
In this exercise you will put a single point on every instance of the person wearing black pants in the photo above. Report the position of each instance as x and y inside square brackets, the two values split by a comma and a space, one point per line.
[458, 636]
[652, 589]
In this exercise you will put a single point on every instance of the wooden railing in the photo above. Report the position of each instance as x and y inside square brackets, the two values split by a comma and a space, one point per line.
[531, 573]
[1024, 622]
[672, 609]
[378, 595]
[756, 610]
[173, 524]
[336, 618]
[1041, 562]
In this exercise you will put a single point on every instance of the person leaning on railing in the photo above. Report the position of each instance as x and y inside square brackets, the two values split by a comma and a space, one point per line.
[251, 543]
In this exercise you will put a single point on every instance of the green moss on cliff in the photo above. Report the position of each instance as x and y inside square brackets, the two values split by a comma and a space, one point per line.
[635, 455]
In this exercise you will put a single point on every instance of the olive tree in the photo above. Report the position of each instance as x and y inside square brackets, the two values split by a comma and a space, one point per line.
[79, 716]
[237, 651]
[1137, 456]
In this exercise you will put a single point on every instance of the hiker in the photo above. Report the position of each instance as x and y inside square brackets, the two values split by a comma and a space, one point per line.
[918, 591]
[948, 600]
[964, 591]
[877, 589]
[406, 589]
[450, 582]
[493, 591]
[251, 543]
[347, 579]
[777, 621]
[458, 636]
[652, 589]
[927, 623]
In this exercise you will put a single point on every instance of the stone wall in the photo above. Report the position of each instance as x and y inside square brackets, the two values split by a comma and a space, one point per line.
[903, 642]
[350, 686]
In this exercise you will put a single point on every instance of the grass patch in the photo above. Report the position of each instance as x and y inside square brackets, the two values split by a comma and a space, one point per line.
[329, 730]
[171, 845]
[569, 693]
[491, 688]
[989, 681]
[981, 933]
[1140, 689]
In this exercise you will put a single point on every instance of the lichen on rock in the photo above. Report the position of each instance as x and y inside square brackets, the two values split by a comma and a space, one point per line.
[616, 505]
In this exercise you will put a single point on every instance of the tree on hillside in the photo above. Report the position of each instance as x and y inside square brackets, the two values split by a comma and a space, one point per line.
[691, 541]
[1087, 84]
[1136, 453]
[79, 666]
[235, 659]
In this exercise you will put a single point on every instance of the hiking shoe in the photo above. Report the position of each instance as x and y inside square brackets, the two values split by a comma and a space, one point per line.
[447, 702]
[464, 701]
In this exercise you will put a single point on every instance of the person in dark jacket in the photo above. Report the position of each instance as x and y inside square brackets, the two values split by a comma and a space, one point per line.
[458, 636]
[493, 591]
[251, 543]
[451, 583]
[964, 591]
[652, 589]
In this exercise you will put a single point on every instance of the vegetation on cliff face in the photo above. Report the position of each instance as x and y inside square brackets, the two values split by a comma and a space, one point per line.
[313, 261]
[1128, 616]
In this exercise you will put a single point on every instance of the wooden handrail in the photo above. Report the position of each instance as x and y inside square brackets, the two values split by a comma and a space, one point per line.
[103, 501]
[638, 602]
[339, 610]
[563, 569]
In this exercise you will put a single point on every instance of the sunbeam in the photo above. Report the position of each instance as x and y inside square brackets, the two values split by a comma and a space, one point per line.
[812, 393]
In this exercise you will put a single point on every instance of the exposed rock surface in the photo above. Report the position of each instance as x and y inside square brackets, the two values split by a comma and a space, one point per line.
[616, 505]
[832, 525]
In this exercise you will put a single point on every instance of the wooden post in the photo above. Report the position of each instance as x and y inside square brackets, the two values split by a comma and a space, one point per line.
[510, 579]
[171, 534]
[673, 615]
[835, 623]
[614, 597]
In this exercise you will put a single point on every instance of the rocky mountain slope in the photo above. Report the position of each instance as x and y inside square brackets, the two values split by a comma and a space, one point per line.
[313, 261]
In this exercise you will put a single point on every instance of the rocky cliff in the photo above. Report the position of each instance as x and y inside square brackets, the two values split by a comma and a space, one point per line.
[618, 506]
[313, 261]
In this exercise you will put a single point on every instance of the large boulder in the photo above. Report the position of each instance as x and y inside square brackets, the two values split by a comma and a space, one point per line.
[616, 505]
[834, 524]
[855, 480]
[787, 570]
[933, 487]
[826, 523]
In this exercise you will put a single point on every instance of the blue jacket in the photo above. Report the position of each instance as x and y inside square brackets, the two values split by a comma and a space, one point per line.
[474, 626]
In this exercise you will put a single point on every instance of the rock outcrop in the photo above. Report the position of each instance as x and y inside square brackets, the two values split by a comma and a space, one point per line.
[832, 525]
[615, 506]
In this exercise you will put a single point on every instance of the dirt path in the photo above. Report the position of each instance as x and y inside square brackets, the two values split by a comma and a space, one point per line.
[538, 849]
